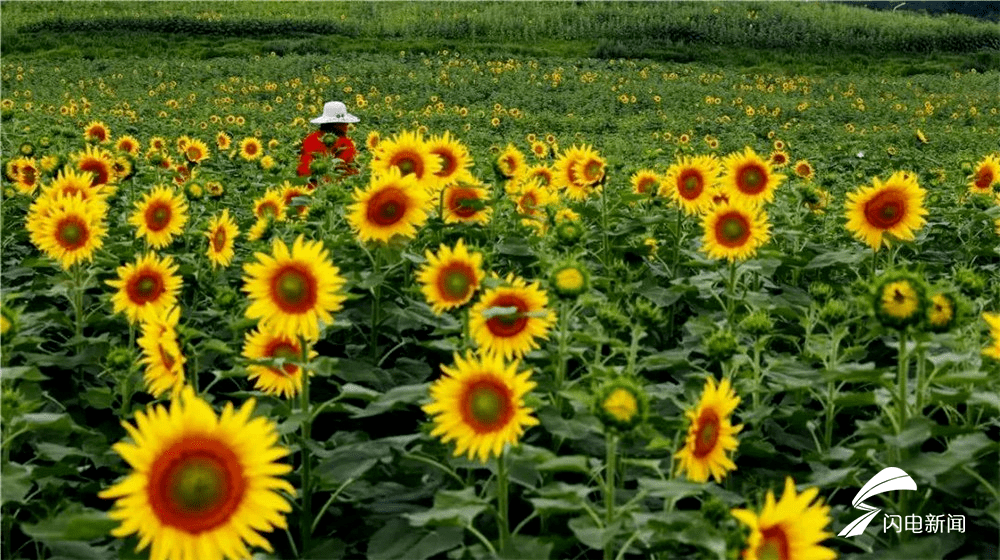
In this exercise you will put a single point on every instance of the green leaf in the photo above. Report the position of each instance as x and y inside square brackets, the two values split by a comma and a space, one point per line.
[72, 524]
[451, 507]
[394, 398]
[962, 450]
[670, 489]
[27, 373]
[567, 463]
[16, 482]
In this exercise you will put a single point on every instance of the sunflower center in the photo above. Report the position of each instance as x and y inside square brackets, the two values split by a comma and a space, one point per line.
[293, 289]
[158, 217]
[448, 164]
[146, 287]
[752, 179]
[98, 168]
[219, 240]
[196, 484]
[512, 324]
[268, 210]
[251, 149]
[644, 184]
[707, 433]
[487, 406]
[690, 184]
[899, 300]
[985, 179]
[387, 207]
[593, 170]
[456, 281]
[286, 351]
[732, 230]
[407, 163]
[166, 357]
[463, 203]
[885, 210]
[193, 153]
[71, 233]
[774, 544]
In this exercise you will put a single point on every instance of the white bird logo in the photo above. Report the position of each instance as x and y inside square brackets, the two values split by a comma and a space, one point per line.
[888, 479]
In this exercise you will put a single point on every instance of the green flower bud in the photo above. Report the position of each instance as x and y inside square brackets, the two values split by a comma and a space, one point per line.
[721, 345]
[900, 300]
[621, 404]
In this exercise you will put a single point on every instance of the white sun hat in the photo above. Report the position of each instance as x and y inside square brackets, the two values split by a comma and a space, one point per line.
[335, 112]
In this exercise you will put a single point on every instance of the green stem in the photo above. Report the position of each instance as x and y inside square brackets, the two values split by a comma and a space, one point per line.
[78, 298]
[609, 489]
[329, 502]
[503, 503]
[561, 356]
[305, 524]
[874, 259]
[921, 374]
[482, 538]
[606, 246]
[731, 292]
[901, 379]
[376, 305]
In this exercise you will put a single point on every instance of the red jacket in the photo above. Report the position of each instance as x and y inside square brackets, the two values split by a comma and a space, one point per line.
[343, 148]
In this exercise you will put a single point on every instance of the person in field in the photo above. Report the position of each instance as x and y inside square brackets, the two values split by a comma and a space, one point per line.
[332, 124]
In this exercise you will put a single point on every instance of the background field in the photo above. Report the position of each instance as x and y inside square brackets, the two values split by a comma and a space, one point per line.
[845, 88]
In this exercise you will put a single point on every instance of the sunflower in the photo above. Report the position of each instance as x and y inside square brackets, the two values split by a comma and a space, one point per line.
[985, 175]
[790, 529]
[589, 168]
[408, 154]
[993, 350]
[290, 192]
[942, 311]
[532, 198]
[508, 319]
[747, 177]
[900, 299]
[539, 149]
[292, 291]
[26, 179]
[284, 381]
[454, 158]
[128, 144]
[449, 278]
[621, 404]
[96, 131]
[804, 170]
[466, 203]
[511, 162]
[373, 140]
[161, 354]
[99, 162]
[223, 141]
[201, 486]
[541, 173]
[569, 280]
[734, 231]
[479, 404]
[258, 229]
[122, 168]
[157, 143]
[393, 204]
[710, 436]
[895, 207]
[271, 206]
[67, 228]
[68, 183]
[196, 151]
[221, 234]
[145, 288]
[690, 181]
[778, 159]
[644, 182]
[159, 216]
[250, 148]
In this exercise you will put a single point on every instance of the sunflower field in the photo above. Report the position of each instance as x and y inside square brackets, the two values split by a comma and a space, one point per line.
[652, 285]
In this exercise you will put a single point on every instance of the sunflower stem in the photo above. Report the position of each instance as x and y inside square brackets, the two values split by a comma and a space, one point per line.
[921, 374]
[606, 243]
[305, 524]
[901, 378]
[561, 357]
[609, 488]
[731, 293]
[503, 503]
[78, 298]
[376, 304]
